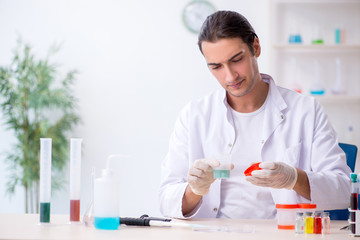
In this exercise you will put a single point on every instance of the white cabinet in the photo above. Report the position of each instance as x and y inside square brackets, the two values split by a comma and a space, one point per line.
[300, 63]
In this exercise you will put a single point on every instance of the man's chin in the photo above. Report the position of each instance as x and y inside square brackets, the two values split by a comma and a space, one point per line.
[236, 93]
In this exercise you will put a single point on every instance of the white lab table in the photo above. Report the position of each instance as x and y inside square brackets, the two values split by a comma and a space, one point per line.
[26, 226]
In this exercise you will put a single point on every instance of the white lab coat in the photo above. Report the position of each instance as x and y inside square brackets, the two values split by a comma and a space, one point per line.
[296, 131]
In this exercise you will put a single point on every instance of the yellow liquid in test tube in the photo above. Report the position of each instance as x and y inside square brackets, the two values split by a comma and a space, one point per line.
[309, 223]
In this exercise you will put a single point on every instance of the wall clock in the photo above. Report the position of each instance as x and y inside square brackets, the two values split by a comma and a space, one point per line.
[195, 13]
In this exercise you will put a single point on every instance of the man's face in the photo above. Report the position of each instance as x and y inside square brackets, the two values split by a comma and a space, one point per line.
[233, 65]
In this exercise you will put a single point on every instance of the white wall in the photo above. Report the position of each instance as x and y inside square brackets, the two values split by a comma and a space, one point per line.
[138, 66]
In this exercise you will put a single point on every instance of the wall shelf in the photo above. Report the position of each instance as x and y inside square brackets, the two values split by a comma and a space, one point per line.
[318, 1]
[340, 99]
[313, 47]
[299, 64]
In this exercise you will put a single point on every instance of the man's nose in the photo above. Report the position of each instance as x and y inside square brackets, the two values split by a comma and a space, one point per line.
[230, 74]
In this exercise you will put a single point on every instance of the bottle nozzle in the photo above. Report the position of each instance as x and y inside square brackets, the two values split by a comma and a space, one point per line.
[107, 170]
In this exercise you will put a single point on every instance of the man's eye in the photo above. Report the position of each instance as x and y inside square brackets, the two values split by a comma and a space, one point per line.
[214, 67]
[237, 60]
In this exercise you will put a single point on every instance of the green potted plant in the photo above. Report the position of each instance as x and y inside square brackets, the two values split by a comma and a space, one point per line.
[35, 103]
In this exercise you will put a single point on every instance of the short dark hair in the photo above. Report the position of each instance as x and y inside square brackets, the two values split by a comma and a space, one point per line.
[227, 24]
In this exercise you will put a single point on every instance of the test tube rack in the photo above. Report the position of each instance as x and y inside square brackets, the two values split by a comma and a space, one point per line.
[355, 225]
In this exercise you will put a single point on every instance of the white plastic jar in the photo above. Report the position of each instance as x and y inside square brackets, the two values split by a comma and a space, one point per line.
[286, 215]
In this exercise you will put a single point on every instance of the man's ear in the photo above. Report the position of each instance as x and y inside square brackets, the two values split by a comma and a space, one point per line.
[257, 47]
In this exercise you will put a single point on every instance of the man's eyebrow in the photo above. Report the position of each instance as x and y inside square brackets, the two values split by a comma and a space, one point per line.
[236, 55]
[213, 64]
[230, 59]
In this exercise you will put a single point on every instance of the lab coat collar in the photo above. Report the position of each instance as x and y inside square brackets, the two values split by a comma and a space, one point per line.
[273, 94]
[274, 113]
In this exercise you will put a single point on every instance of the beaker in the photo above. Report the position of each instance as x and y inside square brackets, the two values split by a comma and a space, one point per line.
[222, 171]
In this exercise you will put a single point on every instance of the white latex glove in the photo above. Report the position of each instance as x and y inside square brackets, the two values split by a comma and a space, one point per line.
[200, 175]
[275, 175]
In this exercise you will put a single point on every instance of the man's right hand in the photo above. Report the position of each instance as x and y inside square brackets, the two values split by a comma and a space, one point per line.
[200, 175]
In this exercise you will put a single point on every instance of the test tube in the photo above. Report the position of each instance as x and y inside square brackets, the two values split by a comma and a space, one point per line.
[317, 222]
[45, 179]
[299, 223]
[309, 222]
[75, 178]
[325, 223]
[353, 200]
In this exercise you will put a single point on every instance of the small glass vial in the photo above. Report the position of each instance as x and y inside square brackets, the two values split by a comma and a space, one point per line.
[299, 223]
[309, 223]
[325, 223]
[317, 222]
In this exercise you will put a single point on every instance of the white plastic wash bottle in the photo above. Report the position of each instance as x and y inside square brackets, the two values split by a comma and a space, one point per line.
[106, 200]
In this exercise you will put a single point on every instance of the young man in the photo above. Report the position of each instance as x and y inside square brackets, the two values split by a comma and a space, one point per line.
[253, 120]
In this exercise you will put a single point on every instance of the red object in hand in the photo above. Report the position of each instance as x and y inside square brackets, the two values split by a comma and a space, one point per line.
[253, 167]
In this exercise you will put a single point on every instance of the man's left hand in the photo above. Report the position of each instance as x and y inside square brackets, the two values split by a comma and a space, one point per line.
[275, 175]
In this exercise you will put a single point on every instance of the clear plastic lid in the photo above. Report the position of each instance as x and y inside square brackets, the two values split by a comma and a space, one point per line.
[307, 205]
[286, 206]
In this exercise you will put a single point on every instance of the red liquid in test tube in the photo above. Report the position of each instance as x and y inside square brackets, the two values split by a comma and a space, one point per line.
[74, 210]
[353, 200]
[317, 223]
[75, 178]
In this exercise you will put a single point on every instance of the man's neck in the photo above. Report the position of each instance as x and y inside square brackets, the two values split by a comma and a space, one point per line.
[251, 101]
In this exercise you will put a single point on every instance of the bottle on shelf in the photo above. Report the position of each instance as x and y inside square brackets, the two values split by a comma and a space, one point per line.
[317, 87]
[338, 87]
[294, 85]
[317, 37]
[337, 35]
[343, 36]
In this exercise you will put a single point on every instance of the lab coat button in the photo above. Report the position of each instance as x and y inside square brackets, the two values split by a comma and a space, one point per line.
[262, 141]
[282, 116]
[215, 209]
[230, 145]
